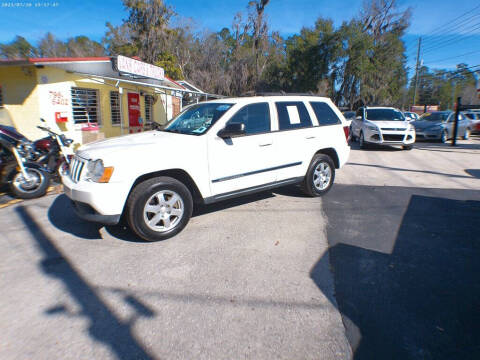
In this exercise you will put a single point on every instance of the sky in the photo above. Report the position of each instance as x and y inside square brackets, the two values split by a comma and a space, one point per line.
[446, 40]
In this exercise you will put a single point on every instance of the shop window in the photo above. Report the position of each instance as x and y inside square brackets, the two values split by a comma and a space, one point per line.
[1, 97]
[148, 108]
[115, 107]
[85, 106]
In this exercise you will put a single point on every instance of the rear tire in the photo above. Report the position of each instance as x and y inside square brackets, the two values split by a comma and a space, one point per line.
[407, 147]
[159, 208]
[320, 176]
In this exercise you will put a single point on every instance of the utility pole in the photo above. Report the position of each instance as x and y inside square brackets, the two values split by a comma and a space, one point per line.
[416, 70]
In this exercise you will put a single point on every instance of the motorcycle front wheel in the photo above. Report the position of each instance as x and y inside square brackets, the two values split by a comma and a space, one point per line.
[35, 186]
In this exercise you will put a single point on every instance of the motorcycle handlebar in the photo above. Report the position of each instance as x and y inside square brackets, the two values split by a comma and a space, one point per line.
[46, 129]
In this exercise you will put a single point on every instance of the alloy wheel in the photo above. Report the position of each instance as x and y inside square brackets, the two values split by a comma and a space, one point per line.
[322, 175]
[163, 210]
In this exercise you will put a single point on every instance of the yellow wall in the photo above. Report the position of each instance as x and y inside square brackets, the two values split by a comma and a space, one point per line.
[27, 97]
[19, 97]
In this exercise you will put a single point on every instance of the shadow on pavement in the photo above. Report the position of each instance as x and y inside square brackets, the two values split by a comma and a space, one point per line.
[63, 217]
[413, 170]
[354, 145]
[407, 270]
[104, 326]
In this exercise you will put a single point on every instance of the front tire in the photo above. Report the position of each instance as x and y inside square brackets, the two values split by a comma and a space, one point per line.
[320, 176]
[407, 147]
[36, 187]
[444, 137]
[159, 208]
[363, 145]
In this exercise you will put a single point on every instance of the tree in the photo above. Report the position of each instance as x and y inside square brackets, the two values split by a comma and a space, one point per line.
[81, 46]
[19, 48]
[148, 22]
[49, 46]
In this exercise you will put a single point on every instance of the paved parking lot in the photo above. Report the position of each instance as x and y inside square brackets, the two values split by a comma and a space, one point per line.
[382, 267]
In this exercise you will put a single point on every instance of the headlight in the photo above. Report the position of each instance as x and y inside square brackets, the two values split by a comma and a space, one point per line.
[435, 128]
[372, 127]
[97, 172]
[410, 128]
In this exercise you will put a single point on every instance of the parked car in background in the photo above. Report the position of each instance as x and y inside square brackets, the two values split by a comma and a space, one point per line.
[212, 151]
[439, 125]
[383, 126]
[411, 116]
[474, 117]
[349, 116]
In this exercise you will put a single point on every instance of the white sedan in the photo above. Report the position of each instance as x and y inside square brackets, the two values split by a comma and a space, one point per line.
[383, 126]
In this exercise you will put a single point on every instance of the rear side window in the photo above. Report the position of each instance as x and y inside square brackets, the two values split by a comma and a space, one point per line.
[256, 118]
[292, 115]
[325, 114]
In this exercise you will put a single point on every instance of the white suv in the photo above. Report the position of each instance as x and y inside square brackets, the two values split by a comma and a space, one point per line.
[382, 125]
[211, 151]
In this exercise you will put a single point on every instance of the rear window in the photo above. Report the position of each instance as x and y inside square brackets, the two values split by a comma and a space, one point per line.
[325, 114]
[292, 115]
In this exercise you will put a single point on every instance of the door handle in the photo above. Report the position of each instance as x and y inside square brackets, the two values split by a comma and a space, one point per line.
[266, 144]
[310, 137]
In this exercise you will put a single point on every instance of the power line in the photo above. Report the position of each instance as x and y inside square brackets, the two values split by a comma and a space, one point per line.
[442, 27]
[463, 71]
[454, 57]
[446, 42]
[453, 27]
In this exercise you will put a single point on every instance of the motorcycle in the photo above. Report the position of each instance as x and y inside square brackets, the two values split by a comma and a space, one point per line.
[26, 178]
[52, 151]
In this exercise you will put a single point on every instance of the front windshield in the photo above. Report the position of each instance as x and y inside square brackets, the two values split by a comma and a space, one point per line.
[435, 116]
[384, 115]
[196, 119]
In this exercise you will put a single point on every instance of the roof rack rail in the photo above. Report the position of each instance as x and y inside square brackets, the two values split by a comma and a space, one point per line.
[280, 93]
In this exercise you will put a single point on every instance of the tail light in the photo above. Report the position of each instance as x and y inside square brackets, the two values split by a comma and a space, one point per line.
[346, 130]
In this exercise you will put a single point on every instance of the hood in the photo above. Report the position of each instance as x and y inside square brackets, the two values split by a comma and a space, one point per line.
[390, 124]
[118, 146]
[425, 124]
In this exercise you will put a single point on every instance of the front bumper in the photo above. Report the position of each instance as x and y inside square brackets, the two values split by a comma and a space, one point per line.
[428, 134]
[86, 212]
[390, 138]
[96, 201]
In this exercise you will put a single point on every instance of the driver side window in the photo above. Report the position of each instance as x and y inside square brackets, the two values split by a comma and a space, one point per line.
[256, 118]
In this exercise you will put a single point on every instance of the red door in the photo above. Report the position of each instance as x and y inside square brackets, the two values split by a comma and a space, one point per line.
[134, 113]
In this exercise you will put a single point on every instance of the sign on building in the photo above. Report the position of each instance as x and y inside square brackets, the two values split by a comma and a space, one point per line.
[131, 66]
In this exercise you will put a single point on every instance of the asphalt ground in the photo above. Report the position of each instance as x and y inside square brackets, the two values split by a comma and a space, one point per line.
[381, 267]
[404, 243]
[235, 284]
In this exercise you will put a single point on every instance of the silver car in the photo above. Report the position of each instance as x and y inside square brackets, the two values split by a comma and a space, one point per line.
[474, 117]
[438, 125]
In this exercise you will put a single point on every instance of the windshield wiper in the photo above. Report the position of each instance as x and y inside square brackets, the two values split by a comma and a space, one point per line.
[172, 131]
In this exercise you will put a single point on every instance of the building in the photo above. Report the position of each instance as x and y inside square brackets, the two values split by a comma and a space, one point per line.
[87, 98]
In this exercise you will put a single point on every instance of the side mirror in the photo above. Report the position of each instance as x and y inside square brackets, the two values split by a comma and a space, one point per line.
[359, 118]
[231, 130]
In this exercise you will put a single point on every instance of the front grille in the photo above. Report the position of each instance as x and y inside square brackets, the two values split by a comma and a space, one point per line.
[76, 168]
[394, 129]
[390, 137]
